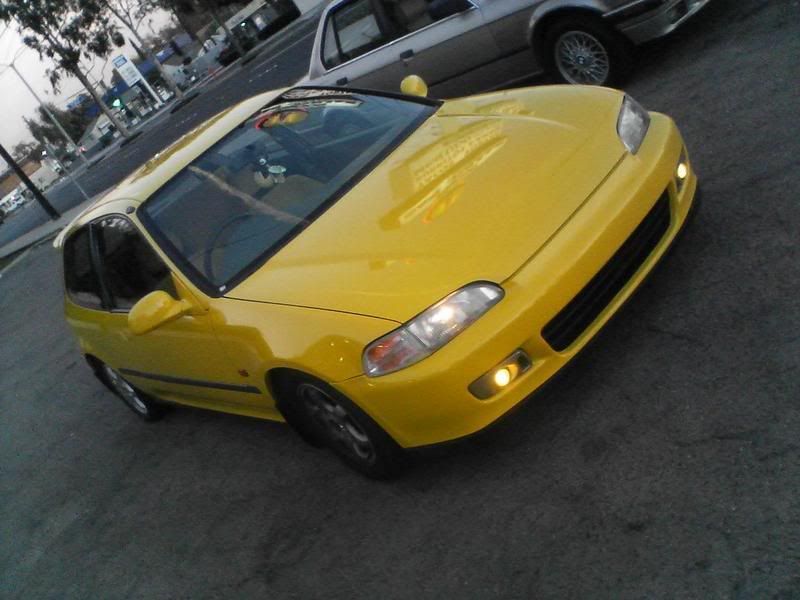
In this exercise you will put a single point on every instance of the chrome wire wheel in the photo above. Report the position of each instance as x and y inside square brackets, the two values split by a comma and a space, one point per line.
[582, 59]
[336, 424]
[125, 391]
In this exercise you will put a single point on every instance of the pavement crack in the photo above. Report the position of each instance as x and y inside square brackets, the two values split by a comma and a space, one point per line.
[677, 335]
[746, 435]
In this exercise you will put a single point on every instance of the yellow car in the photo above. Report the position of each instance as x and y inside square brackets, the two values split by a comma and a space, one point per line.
[381, 271]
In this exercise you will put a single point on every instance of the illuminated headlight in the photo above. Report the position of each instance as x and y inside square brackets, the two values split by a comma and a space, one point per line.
[632, 124]
[430, 330]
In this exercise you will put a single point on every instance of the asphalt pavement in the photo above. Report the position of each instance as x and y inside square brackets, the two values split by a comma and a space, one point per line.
[664, 464]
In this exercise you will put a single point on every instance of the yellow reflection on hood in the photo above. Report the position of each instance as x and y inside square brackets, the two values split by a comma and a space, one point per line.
[437, 173]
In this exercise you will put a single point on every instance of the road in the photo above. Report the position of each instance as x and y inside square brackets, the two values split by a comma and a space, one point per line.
[276, 66]
[664, 464]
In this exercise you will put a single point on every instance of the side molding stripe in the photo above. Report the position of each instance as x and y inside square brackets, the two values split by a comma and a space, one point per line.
[248, 389]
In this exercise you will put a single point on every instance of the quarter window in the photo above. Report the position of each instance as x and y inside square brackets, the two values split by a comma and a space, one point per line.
[80, 278]
[330, 51]
[131, 268]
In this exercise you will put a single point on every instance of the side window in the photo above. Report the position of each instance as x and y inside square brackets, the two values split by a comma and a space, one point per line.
[131, 268]
[357, 29]
[411, 15]
[80, 278]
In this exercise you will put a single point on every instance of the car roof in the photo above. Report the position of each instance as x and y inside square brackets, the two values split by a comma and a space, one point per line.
[149, 177]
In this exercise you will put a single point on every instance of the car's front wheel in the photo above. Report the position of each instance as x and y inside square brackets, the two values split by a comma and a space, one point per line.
[138, 402]
[324, 416]
[582, 50]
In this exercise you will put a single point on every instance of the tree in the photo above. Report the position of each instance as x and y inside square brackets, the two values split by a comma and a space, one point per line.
[179, 9]
[156, 41]
[25, 149]
[65, 31]
[75, 122]
[131, 13]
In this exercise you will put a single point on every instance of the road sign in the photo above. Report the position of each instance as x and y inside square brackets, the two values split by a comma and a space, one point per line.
[127, 70]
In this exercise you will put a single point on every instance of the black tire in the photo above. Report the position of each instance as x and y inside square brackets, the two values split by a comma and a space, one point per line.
[579, 49]
[142, 405]
[323, 416]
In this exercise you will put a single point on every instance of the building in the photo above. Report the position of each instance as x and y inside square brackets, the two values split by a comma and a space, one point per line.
[9, 180]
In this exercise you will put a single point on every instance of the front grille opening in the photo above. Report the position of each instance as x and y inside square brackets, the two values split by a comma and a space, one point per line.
[587, 305]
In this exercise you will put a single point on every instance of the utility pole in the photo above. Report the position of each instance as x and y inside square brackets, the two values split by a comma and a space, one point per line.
[49, 114]
[48, 208]
[74, 181]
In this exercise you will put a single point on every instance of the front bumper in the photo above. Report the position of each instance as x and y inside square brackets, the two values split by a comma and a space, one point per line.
[430, 403]
[655, 23]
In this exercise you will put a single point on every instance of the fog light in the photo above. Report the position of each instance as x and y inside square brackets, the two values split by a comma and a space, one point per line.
[501, 375]
[682, 171]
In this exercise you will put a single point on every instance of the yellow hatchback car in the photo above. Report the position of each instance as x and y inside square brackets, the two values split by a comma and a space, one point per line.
[380, 271]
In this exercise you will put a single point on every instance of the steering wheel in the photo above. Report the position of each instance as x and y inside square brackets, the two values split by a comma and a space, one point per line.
[208, 256]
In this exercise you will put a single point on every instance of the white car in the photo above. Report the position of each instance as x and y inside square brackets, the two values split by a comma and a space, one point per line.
[11, 202]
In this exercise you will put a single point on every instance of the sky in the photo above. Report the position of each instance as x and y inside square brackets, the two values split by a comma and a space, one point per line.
[17, 102]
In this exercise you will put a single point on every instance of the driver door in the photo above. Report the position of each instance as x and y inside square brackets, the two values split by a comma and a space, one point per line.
[355, 47]
[445, 42]
[180, 361]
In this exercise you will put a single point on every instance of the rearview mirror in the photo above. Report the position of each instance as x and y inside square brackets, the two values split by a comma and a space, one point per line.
[414, 85]
[154, 310]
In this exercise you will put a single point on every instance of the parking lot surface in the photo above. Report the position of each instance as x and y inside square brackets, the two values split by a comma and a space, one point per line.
[663, 464]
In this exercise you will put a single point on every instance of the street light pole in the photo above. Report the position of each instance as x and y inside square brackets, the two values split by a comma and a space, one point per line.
[48, 208]
[67, 171]
[47, 110]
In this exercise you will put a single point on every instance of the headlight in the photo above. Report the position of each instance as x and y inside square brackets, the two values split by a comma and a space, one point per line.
[632, 124]
[430, 330]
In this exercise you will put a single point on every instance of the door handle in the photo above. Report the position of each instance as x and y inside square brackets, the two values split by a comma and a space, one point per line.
[406, 54]
[342, 81]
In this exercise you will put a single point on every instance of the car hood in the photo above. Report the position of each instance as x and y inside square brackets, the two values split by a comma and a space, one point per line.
[472, 195]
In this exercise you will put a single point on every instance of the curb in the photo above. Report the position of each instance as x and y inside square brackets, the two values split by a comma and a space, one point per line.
[14, 255]
[18, 255]
[47, 232]
[129, 139]
[188, 97]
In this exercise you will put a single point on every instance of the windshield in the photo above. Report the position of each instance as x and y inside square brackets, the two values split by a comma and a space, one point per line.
[257, 188]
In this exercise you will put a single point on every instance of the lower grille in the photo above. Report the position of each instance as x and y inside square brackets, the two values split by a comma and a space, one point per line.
[584, 308]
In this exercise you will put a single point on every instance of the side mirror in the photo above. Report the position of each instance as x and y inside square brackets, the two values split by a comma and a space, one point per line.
[414, 85]
[154, 310]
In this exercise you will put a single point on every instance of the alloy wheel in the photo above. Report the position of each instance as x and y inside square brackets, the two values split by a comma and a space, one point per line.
[337, 424]
[582, 59]
[125, 390]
